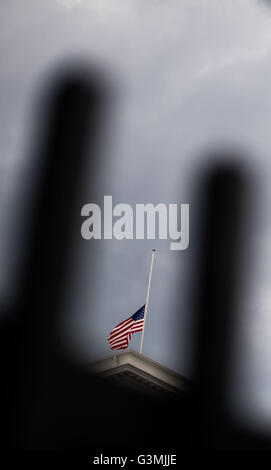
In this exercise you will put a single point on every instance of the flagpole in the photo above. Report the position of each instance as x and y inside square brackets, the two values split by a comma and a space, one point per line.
[147, 301]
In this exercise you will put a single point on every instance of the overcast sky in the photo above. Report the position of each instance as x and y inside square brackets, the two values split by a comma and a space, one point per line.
[189, 74]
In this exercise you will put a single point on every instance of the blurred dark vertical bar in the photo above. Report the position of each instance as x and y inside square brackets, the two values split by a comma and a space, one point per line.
[30, 357]
[72, 128]
[225, 192]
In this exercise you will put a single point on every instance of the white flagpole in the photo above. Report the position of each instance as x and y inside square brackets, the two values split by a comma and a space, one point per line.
[147, 300]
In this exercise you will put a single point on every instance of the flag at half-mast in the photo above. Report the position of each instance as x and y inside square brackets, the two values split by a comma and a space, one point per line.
[121, 335]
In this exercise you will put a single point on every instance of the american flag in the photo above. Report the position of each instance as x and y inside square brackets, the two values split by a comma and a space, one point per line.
[120, 336]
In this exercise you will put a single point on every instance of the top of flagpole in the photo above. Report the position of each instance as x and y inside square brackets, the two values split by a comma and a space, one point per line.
[147, 300]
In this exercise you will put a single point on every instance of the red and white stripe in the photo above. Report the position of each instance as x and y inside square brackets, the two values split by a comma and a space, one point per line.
[120, 336]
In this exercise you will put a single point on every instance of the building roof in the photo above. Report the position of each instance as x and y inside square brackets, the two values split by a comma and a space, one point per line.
[132, 369]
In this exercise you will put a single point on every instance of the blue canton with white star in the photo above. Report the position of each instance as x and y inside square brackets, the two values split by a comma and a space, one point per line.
[139, 315]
